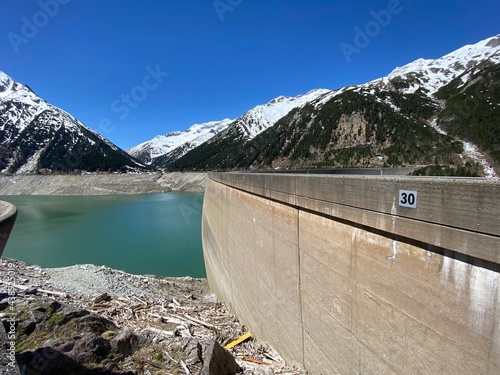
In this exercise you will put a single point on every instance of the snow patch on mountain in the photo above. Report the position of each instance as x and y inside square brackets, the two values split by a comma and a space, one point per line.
[473, 152]
[264, 116]
[30, 165]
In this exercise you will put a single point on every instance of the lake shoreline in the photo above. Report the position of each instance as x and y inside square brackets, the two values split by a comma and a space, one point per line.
[102, 183]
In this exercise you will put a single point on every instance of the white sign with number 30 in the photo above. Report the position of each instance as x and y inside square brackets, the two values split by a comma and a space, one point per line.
[408, 198]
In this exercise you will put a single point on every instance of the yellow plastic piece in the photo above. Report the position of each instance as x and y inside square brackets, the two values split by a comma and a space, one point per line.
[232, 344]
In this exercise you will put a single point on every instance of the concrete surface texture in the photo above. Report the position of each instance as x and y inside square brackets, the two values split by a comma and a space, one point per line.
[341, 278]
[8, 214]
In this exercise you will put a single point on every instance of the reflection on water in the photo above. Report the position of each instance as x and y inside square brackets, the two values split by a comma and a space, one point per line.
[142, 234]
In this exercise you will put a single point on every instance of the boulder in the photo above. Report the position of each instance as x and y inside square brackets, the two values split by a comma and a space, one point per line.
[217, 360]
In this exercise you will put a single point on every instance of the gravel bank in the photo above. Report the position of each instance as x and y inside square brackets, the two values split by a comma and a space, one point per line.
[169, 312]
[101, 184]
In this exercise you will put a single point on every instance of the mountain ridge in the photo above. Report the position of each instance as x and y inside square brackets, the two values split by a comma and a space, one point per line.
[443, 110]
[177, 143]
[37, 136]
[360, 134]
[163, 150]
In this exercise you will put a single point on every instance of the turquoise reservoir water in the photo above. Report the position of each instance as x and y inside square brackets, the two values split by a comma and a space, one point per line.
[156, 234]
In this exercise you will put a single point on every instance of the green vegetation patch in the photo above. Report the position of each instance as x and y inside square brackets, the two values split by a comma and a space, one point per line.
[467, 170]
[473, 110]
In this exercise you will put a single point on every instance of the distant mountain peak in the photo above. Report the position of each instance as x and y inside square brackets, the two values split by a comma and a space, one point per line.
[493, 42]
[278, 100]
[432, 74]
[35, 136]
[164, 149]
[177, 142]
[263, 116]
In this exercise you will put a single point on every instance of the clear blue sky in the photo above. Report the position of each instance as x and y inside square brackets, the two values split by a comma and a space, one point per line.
[183, 62]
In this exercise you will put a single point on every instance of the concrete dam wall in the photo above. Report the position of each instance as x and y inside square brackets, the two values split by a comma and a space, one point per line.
[360, 274]
[8, 214]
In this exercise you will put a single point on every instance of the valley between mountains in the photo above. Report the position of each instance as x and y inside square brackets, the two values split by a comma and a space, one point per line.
[439, 114]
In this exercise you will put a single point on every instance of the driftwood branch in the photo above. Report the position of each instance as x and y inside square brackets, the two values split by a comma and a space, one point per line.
[208, 325]
[159, 331]
[184, 367]
[24, 288]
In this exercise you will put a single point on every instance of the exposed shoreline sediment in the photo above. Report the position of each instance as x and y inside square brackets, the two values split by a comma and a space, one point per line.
[101, 184]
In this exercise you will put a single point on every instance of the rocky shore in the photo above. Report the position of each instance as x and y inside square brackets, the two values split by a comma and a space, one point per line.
[101, 183]
[86, 319]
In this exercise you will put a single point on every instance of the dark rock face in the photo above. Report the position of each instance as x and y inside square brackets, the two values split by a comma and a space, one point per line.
[89, 348]
[58, 338]
[495, 42]
[218, 360]
[54, 337]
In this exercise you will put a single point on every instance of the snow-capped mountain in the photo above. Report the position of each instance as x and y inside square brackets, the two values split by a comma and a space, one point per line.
[262, 117]
[176, 144]
[35, 136]
[164, 149]
[430, 75]
[421, 113]
[428, 111]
